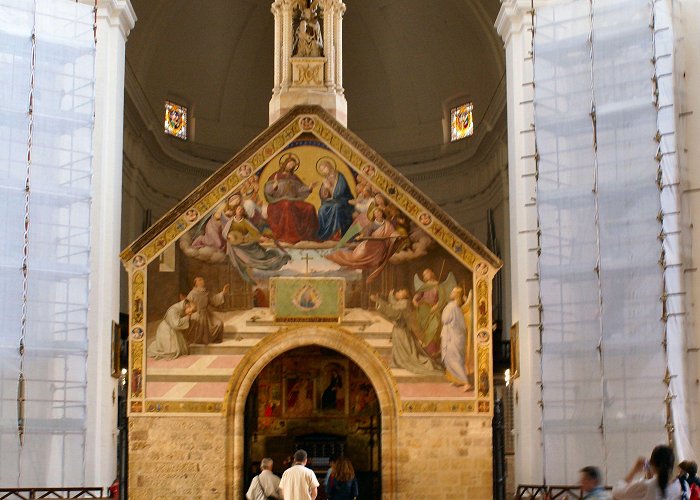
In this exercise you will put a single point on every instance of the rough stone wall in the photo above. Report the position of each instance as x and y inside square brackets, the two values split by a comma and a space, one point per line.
[183, 458]
[177, 458]
[445, 458]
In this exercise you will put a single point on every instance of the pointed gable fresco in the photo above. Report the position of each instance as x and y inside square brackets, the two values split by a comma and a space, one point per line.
[308, 226]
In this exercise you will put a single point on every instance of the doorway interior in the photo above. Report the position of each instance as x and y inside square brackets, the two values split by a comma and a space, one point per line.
[319, 400]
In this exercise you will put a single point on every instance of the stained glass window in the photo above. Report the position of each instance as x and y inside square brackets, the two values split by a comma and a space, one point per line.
[175, 120]
[461, 121]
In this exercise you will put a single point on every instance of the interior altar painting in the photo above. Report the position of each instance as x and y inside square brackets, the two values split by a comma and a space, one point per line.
[307, 237]
[311, 387]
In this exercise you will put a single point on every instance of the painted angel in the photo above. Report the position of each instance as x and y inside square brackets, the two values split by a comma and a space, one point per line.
[244, 249]
[429, 299]
[377, 243]
[455, 339]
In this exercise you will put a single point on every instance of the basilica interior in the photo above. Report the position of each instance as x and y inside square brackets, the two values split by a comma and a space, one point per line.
[406, 233]
[393, 53]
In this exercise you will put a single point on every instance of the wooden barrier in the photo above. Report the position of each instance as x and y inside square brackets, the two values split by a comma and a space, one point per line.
[549, 492]
[35, 493]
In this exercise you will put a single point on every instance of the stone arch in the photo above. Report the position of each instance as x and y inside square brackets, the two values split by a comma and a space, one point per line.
[338, 339]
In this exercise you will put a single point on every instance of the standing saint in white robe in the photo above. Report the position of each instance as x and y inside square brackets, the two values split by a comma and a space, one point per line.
[170, 342]
[453, 340]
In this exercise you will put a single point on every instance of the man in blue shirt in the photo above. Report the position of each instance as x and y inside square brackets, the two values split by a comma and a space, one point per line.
[331, 460]
[591, 487]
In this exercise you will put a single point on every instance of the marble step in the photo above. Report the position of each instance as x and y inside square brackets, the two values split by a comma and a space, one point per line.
[188, 377]
[224, 375]
[228, 346]
[405, 376]
[242, 344]
[232, 334]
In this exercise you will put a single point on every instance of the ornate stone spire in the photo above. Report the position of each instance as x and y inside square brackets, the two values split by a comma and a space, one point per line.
[308, 56]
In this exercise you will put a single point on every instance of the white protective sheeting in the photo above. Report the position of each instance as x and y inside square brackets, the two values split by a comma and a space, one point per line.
[668, 92]
[603, 365]
[57, 241]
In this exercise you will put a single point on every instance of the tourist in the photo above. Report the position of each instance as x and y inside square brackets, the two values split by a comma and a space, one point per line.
[591, 482]
[298, 482]
[266, 484]
[331, 461]
[650, 480]
[342, 485]
[689, 480]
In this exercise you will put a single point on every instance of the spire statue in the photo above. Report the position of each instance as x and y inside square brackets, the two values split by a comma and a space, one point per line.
[308, 57]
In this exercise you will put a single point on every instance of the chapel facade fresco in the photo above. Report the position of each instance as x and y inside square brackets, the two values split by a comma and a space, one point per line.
[308, 226]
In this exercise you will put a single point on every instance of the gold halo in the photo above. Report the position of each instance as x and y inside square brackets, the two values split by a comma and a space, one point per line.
[328, 159]
[284, 158]
[371, 216]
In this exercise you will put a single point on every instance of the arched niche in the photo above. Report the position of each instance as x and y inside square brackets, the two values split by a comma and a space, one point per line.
[274, 345]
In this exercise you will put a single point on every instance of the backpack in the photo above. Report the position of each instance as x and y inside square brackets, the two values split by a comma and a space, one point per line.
[694, 493]
[690, 488]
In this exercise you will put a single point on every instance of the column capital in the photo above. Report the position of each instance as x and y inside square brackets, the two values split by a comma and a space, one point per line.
[334, 4]
[281, 4]
[516, 13]
[510, 18]
[119, 13]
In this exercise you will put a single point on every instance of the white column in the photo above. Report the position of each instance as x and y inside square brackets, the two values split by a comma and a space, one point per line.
[329, 43]
[278, 48]
[338, 45]
[688, 49]
[115, 19]
[286, 45]
[513, 23]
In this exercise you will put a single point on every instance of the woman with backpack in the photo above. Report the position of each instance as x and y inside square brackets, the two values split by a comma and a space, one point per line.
[689, 479]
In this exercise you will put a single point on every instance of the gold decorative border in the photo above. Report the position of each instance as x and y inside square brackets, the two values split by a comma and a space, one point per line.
[484, 378]
[137, 302]
[483, 372]
[367, 163]
[137, 374]
[422, 406]
[352, 141]
[482, 304]
[398, 190]
[219, 185]
[269, 342]
[184, 406]
[355, 152]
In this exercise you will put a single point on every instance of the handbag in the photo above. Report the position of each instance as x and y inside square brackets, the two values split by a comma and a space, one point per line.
[262, 491]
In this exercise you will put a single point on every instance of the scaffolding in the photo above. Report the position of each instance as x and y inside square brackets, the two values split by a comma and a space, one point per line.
[47, 53]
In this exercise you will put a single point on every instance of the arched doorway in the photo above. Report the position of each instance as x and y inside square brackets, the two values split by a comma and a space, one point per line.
[316, 399]
[337, 344]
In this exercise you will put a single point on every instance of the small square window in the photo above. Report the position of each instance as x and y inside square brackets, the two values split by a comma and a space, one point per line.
[175, 120]
[461, 122]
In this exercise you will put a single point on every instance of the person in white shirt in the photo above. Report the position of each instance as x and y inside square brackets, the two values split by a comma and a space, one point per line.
[652, 479]
[298, 482]
[266, 484]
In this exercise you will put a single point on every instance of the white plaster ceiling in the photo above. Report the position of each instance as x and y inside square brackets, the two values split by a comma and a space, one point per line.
[402, 60]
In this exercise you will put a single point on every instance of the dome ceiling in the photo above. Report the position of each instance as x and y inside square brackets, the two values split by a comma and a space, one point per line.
[402, 60]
